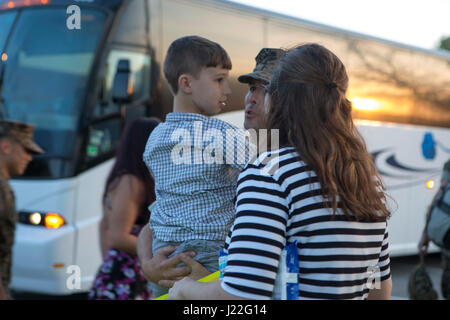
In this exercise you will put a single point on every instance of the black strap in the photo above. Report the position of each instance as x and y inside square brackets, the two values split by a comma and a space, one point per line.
[441, 204]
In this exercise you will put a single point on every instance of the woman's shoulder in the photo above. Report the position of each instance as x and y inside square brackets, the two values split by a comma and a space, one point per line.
[128, 184]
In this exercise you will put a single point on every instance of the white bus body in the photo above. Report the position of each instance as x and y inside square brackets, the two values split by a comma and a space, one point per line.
[42, 257]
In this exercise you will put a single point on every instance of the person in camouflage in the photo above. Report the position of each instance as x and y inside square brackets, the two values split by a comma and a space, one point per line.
[424, 240]
[16, 150]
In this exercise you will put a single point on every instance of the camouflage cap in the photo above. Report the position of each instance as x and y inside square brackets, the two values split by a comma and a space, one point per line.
[22, 132]
[266, 62]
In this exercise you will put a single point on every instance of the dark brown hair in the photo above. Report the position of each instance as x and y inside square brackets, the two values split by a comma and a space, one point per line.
[308, 105]
[129, 157]
[189, 55]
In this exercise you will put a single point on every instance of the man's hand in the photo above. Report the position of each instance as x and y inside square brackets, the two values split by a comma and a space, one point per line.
[162, 270]
[196, 270]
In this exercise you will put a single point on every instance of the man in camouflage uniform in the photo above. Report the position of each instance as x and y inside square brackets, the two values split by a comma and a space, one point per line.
[16, 149]
[266, 61]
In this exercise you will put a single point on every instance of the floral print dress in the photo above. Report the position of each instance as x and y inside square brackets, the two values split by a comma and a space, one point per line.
[120, 276]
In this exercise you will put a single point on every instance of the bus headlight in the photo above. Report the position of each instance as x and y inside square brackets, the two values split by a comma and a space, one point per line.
[50, 220]
[53, 220]
[430, 184]
[35, 218]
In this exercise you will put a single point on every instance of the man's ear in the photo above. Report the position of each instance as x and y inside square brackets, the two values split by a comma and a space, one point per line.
[5, 147]
[184, 83]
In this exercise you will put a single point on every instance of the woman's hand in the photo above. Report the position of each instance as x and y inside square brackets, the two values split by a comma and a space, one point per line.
[178, 290]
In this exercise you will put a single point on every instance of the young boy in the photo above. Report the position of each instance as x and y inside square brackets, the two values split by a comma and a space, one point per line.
[195, 181]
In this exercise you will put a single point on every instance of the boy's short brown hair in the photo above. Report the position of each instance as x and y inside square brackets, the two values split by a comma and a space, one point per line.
[189, 55]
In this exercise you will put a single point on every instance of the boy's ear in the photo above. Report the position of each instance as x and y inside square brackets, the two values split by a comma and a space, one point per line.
[184, 83]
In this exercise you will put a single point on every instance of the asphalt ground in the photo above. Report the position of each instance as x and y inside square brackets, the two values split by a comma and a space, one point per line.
[403, 267]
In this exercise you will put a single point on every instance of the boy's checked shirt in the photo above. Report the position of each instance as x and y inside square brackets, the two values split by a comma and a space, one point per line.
[195, 176]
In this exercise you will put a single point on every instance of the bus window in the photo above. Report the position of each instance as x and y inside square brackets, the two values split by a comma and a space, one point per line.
[140, 69]
[6, 20]
[45, 80]
[103, 138]
[398, 85]
[378, 87]
[104, 135]
[432, 90]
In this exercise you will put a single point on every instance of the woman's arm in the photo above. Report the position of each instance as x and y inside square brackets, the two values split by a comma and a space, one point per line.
[103, 231]
[126, 201]
[193, 290]
[384, 293]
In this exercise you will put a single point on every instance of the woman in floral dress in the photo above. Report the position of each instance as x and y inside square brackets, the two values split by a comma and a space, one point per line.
[129, 190]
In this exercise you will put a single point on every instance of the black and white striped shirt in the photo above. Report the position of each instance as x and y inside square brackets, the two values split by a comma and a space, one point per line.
[279, 202]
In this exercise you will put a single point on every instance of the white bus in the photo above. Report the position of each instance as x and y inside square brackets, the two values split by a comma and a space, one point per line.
[60, 70]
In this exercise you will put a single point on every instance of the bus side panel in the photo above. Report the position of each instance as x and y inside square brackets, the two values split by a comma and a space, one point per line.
[88, 214]
[48, 252]
[397, 150]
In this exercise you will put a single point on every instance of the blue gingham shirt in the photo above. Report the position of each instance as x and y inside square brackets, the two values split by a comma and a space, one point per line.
[195, 174]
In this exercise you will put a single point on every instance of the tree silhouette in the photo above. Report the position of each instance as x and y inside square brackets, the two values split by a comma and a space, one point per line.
[444, 43]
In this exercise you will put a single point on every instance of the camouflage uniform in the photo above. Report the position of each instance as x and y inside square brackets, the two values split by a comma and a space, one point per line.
[21, 133]
[8, 219]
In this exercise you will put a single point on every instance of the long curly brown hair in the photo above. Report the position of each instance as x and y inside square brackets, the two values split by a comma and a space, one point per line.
[308, 106]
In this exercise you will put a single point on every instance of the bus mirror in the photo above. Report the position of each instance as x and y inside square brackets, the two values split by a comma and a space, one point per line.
[123, 85]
